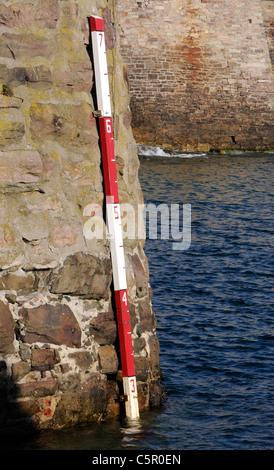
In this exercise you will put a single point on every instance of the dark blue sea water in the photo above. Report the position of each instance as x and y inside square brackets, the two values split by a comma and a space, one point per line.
[214, 301]
[214, 307]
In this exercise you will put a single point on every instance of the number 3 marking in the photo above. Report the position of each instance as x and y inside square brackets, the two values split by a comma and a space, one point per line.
[132, 381]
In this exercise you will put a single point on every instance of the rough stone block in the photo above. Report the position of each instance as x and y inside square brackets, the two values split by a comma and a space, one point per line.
[20, 166]
[154, 349]
[10, 102]
[85, 403]
[110, 34]
[140, 274]
[157, 394]
[141, 368]
[38, 255]
[84, 359]
[103, 328]
[19, 15]
[19, 370]
[78, 77]
[51, 323]
[12, 247]
[20, 281]
[132, 313]
[65, 234]
[33, 227]
[69, 125]
[24, 45]
[35, 77]
[47, 14]
[44, 359]
[6, 329]
[39, 77]
[108, 360]
[138, 345]
[83, 274]
[11, 133]
[38, 388]
[147, 317]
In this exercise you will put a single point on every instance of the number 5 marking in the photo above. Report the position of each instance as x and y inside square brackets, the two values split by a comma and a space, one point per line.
[116, 212]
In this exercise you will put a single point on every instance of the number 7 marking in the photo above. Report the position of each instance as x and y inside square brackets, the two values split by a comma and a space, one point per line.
[101, 38]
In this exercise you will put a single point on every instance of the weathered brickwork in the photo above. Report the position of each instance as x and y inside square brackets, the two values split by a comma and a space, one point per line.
[268, 17]
[59, 352]
[200, 72]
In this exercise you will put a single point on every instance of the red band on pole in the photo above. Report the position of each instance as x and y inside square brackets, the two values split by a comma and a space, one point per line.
[96, 24]
[108, 159]
[124, 331]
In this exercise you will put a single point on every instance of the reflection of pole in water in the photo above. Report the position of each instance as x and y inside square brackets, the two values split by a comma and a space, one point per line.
[132, 432]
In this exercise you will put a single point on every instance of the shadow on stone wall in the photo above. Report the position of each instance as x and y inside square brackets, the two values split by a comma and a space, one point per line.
[14, 420]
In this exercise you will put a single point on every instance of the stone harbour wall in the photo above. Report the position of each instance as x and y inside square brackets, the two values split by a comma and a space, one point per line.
[200, 72]
[59, 352]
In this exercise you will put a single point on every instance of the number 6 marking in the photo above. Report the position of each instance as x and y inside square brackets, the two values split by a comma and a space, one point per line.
[108, 124]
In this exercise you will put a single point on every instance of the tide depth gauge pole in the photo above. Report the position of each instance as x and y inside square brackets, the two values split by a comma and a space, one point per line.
[113, 215]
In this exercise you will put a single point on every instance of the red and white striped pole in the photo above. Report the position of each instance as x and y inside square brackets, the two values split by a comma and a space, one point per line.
[113, 215]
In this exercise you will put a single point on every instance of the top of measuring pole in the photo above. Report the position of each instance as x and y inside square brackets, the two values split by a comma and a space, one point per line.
[96, 23]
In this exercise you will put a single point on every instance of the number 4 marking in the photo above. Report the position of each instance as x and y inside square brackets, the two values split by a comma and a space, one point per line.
[124, 298]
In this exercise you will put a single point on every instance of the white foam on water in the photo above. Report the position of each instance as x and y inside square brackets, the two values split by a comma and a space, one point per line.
[148, 151]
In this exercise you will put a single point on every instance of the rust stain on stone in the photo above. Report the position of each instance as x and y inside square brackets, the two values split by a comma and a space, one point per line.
[188, 53]
[192, 50]
[193, 55]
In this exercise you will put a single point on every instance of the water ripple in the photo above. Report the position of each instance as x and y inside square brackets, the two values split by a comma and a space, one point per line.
[214, 302]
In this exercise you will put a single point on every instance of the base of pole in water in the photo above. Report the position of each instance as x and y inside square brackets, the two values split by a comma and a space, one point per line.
[130, 390]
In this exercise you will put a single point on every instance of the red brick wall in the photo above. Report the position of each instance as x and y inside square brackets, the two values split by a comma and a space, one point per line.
[199, 71]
